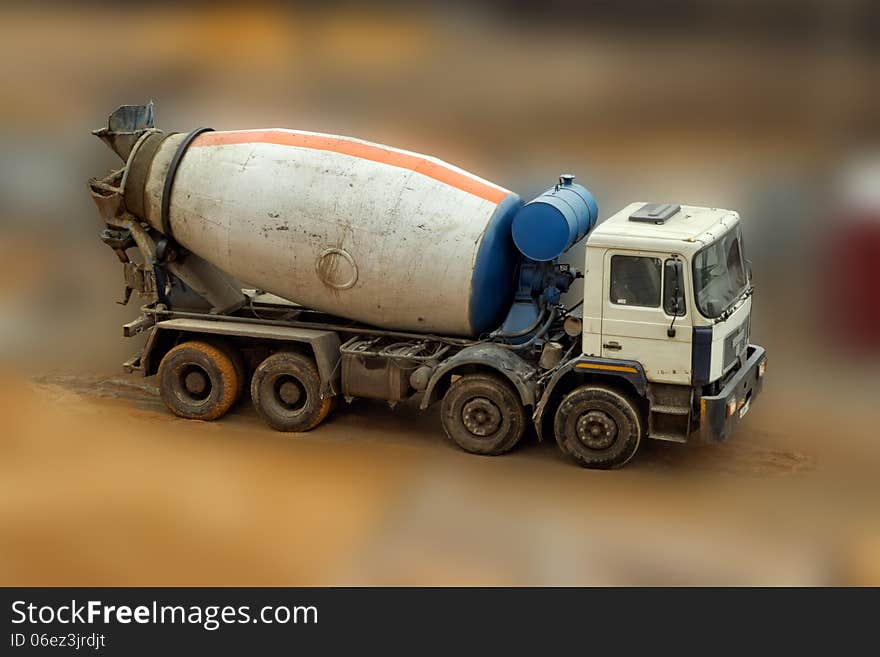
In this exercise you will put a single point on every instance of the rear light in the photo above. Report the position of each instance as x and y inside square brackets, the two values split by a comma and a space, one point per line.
[731, 406]
[762, 367]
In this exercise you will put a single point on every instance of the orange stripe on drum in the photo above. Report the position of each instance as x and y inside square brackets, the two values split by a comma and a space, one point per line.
[374, 152]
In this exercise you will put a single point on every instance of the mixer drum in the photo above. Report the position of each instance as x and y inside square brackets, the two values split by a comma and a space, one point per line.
[368, 232]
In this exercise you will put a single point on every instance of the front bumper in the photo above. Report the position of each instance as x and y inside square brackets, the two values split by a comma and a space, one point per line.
[716, 423]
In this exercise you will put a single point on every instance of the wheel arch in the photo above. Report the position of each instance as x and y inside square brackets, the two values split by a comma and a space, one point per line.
[484, 358]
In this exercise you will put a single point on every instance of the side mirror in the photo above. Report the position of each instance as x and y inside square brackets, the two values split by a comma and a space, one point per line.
[673, 294]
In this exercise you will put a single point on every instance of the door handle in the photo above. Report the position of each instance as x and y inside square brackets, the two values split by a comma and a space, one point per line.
[613, 345]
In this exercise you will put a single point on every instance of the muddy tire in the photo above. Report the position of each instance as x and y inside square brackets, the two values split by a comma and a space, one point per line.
[198, 381]
[483, 414]
[286, 391]
[598, 427]
[235, 355]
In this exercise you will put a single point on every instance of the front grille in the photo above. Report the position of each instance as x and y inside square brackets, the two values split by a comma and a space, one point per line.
[735, 344]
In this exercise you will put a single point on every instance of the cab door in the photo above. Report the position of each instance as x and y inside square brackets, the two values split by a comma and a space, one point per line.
[643, 292]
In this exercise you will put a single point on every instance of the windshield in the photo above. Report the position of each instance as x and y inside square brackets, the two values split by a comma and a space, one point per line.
[720, 274]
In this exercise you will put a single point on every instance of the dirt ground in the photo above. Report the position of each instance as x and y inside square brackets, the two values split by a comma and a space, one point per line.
[102, 486]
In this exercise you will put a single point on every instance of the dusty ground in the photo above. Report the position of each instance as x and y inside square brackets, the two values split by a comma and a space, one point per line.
[102, 486]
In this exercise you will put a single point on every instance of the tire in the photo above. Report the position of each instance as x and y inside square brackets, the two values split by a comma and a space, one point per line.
[286, 391]
[198, 381]
[235, 355]
[483, 414]
[598, 427]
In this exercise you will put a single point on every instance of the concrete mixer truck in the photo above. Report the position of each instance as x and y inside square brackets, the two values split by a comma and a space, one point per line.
[308, 268]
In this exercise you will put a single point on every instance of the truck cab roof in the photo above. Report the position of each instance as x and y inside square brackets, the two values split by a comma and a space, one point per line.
[653, 226]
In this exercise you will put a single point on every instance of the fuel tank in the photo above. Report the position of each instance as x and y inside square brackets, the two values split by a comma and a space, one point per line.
[368, 232]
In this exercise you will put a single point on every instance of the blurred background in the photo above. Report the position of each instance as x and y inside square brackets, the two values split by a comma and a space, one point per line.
[769, 107]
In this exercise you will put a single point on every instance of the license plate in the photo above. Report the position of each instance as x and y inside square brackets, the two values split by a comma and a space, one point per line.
[745, 408]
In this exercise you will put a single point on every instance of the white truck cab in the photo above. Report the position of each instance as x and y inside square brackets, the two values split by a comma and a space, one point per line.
[666, 319]
[631, 288]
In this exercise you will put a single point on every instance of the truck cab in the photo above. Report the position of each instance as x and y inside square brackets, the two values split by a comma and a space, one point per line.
[666, 325]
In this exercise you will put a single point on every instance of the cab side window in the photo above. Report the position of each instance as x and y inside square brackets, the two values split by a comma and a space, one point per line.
[635, 281]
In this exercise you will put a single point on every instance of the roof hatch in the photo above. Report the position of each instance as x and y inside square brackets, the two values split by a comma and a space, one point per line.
[655, 213]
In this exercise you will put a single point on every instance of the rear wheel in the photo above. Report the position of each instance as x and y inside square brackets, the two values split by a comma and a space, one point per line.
[198, 381]
[235, 355]
[286, 391]
[482, 414]
[598, 427]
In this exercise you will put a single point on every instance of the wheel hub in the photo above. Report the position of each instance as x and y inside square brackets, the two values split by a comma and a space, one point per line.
[290, 393]
[481, 417]
[195, 382]
[596, 430]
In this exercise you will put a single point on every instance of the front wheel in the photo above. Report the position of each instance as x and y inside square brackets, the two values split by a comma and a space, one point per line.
[598, 427]
[286, 391]
[482, 414]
